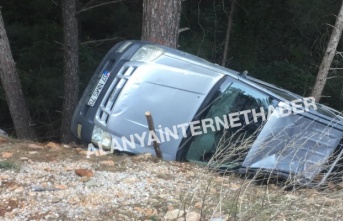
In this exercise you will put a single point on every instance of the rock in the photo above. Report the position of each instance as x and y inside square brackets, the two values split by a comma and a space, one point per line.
[150, 212]
[57, 177]
[153, 201]
[90, 183]
[3, 134]
[41, 188]
[193, 216]
[174, 214]
[234, 186]
[84, 172]
[107, 162]
[38, 188]
[85, 179]
[129, 180]
[213, 190]
[139, 209]
[35, 147]
[102, 153]
[198, 205]
[11, 188]
[6, 154]
[331, 186]
[32, 152]
[119, 194]
[48, 169]
[19, 189]
[340, 186]
[144, 156]
[272, 186]
[24, 158]
[219, 217]
[149, 180]
[83, 152]
[219, 179]
[61, 187]
[170, 207]
[32, 193]
[163, 196]
[4, 177]
[147, 212]
[164, 176]
[55, 199]
[2, 139]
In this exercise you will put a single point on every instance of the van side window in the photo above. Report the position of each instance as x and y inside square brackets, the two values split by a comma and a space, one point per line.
[227, 143]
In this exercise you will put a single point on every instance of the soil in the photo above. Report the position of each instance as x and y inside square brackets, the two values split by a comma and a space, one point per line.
[51, 181]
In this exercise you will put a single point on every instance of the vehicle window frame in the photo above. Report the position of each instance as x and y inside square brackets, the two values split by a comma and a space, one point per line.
[227, 80]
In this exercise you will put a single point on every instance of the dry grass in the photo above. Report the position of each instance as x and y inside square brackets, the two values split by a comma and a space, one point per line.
[263, 195]
[239, 198]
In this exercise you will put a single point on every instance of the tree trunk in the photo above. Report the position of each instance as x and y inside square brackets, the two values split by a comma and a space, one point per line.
[328, 57]
[11, 83]
[228, 32]
[71, 67]
[161, 20]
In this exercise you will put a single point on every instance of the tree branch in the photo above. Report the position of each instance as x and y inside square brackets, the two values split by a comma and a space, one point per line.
[98, 5]
[100, 41]
[54, 2]
[183, 29]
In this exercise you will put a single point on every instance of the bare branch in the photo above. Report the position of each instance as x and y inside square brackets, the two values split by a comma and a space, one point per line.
[59, 43]
[98, 5]
[332, 26]
[54, 2]
[339, 53]
[88, 4]
[100, 41]
[183, 29]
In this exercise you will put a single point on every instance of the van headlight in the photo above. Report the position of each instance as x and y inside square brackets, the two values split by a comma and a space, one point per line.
[147, 53]
[101, 137]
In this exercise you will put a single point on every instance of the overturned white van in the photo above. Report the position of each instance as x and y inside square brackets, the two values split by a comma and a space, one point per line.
[205, 113]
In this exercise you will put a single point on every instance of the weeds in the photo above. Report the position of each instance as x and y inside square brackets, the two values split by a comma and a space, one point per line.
[264, 193]
[8, 165]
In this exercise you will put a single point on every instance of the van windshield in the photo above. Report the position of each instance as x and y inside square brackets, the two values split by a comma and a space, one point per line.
[322, 109]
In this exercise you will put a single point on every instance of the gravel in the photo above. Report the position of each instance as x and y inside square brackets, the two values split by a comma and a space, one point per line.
[60, 183]
[124, 194]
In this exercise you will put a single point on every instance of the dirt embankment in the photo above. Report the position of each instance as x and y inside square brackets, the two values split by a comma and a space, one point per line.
[58, 182]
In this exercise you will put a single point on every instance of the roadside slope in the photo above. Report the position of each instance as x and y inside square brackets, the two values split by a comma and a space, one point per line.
[56, 182]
